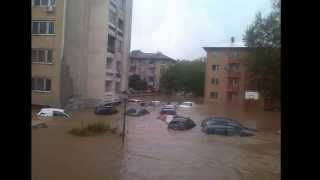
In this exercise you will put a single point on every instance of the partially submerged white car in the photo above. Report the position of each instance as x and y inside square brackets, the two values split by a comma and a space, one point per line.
[50, 112]
[186, 104]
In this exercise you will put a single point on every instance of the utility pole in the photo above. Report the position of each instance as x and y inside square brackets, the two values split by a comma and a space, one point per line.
[124, 120]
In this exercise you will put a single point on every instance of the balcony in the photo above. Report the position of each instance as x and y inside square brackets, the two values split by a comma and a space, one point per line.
[233, 88]
[233, 74]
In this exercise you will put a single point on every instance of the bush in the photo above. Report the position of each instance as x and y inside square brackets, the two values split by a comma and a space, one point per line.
[90, 129]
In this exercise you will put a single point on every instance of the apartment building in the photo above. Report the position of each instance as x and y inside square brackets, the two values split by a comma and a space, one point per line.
[90, 60]
[225, 75]
[47, 50]
[149, 66]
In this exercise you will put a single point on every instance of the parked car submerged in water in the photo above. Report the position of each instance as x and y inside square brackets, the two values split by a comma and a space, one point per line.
[50, 112]
[137, 112]
[224, 126]
[106, 109]
[181, 123]
[168, 111]
[186, 104]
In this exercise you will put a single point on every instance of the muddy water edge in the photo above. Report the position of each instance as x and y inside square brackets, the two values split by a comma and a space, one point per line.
[151, 151]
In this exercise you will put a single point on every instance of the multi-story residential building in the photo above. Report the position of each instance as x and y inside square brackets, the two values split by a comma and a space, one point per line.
[225, 77]
[90, 60]
[149, 66]
[47, 48]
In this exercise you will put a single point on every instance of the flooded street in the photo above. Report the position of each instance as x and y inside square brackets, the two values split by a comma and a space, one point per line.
[151, 151]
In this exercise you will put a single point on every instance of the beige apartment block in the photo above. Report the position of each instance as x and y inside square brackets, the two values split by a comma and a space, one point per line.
[225, 74]
[149, 66]
[93, 38]
[47, 49]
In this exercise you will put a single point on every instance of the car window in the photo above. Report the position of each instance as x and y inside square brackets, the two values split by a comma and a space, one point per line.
[58, 113]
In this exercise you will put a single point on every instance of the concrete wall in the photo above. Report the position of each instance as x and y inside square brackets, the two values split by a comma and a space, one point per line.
[54, 42]
[127, 45]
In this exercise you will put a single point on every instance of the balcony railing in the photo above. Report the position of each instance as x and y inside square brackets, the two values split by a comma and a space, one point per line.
[233, 88]
[233, 73]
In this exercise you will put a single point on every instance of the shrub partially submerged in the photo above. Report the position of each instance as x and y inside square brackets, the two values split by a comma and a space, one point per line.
[91, 129]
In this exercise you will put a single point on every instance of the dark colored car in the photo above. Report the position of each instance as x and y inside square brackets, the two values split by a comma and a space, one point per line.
[224, 126]
[168, 111]
[137, 112]
[105, 109]
[181, 123]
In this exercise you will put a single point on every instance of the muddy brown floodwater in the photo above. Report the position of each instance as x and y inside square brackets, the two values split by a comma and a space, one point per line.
[151, 151]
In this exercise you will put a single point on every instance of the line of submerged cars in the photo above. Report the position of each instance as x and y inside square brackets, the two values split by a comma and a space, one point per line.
[213, 125]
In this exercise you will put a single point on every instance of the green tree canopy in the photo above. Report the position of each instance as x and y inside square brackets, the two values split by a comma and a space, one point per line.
[264, 64]
[184, 75]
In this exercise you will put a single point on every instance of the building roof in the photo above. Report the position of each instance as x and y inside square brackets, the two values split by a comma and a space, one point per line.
[226, 48]
[137, 54]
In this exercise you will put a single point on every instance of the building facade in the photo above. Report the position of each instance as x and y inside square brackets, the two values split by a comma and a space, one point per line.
[47, 50]
[225, 75]
[92, 39]
[149, 66]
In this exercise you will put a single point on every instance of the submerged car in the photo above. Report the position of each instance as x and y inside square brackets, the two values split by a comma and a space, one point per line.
[137, 112]
[134, 100]
[50, 112]
[225, 126]
[107, 109]
[181, 123]
[168, 111]
[186, 104]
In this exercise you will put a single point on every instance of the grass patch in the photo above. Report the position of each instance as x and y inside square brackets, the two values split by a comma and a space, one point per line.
[91, 129]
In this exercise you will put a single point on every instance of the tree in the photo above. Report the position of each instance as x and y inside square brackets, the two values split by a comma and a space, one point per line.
[184, 75]
[264, 63]
[136, 83]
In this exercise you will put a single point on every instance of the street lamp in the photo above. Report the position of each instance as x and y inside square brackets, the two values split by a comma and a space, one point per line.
[124, 98]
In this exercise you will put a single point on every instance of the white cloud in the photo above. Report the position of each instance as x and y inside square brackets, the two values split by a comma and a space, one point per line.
[180, 28]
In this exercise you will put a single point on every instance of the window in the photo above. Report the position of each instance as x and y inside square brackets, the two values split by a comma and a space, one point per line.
[233, 82]
[234, 54]
[214, 95]
[42, 27]
[120, 24]
[112, 17]
[109, 63]
[120, 34]
[41, 56]
[120, 44]
[44, 3]
[215, 81]
[234, 67]
[111, 43]
[215, 67]
[41, 84]
[122, 3]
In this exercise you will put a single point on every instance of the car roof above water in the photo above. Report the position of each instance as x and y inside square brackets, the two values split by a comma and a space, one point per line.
[51, 109]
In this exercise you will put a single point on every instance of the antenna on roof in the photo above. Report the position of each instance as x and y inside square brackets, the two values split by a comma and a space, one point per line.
[232, 40]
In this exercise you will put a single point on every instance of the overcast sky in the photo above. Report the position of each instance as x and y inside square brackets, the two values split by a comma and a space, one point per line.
[180, 28]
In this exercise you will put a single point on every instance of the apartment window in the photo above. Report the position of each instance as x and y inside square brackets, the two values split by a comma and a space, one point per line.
[120, 45]
[42, 27]
[151, 79]
[120, 34]
[44, 3]
[215, 81]
[41, 55]
[122, 3]
[234, 54]
[112, 17]
[215, 67]
[111, 43]
[214, 95]
[234, 67]
[108, 86]
[120, 24]
[233, 82]
[41, 84]
[109, 63]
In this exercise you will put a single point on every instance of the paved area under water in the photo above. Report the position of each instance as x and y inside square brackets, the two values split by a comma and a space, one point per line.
[151, 151]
